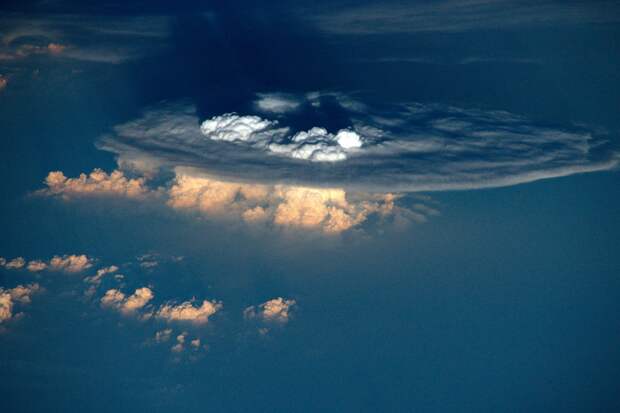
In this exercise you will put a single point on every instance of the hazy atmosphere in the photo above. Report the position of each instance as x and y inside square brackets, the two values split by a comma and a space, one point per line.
[310, 206]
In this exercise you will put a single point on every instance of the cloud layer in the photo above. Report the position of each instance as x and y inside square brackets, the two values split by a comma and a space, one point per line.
[385, 148]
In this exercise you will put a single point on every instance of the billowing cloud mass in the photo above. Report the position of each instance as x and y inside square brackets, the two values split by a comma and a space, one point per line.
[385, 148]
[326, 209]
[316, 144]
[186, 311]
[97, 182]
[114, 298]
[21, 294]
[276, 310]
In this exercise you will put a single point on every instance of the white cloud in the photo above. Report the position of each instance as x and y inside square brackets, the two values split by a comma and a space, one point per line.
[186, 311]
[97, 182]
[276, 310]
[316, 144]
[116, 299]
[277, 103]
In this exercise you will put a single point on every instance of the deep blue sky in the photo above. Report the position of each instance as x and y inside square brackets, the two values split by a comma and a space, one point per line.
[502, 299]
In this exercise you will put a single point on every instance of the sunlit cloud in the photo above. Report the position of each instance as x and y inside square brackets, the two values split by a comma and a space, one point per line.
[116, 299]
[275, 310]
[97, 182]
[188, 312]
[72, 263]
[19, 295]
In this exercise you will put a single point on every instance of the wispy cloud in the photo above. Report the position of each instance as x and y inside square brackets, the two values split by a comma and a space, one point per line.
[460, 16]
[103, 39]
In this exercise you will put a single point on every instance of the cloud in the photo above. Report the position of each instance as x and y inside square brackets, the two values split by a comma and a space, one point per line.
[66, 263]
[96, 279]
[408, 147]
[163, 335]
[3, 81]
[70, 263]
[329, 210]
[316, 144]
[101, 39]
[458, 16]
[116, 299]
[186, 311]
[36, 266]
[21, 294]
[15, 263]
[97, 182]
[277, 103]
[275, 310]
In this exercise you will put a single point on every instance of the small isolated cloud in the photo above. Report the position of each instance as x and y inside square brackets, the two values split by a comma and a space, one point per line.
[163, 335]
[36, 266]
[116, 299]
[275, 310]
[97, 182]
[15, 263]
[3, 81]
[21, 294]
[186, 311]
[102, 272]
[70, 263]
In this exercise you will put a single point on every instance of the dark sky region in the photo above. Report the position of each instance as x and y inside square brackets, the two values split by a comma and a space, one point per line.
[309, 206]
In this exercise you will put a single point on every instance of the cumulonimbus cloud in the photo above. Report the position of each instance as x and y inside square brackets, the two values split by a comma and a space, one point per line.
[387, 148]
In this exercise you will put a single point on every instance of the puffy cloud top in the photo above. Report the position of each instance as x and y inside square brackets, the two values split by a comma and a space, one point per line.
[186, 311]
[127, 305]
[97, 182]
[20, 294]
[276, 310]
[315, 144]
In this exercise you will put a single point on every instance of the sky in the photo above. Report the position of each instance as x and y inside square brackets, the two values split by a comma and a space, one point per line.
[310, 206]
